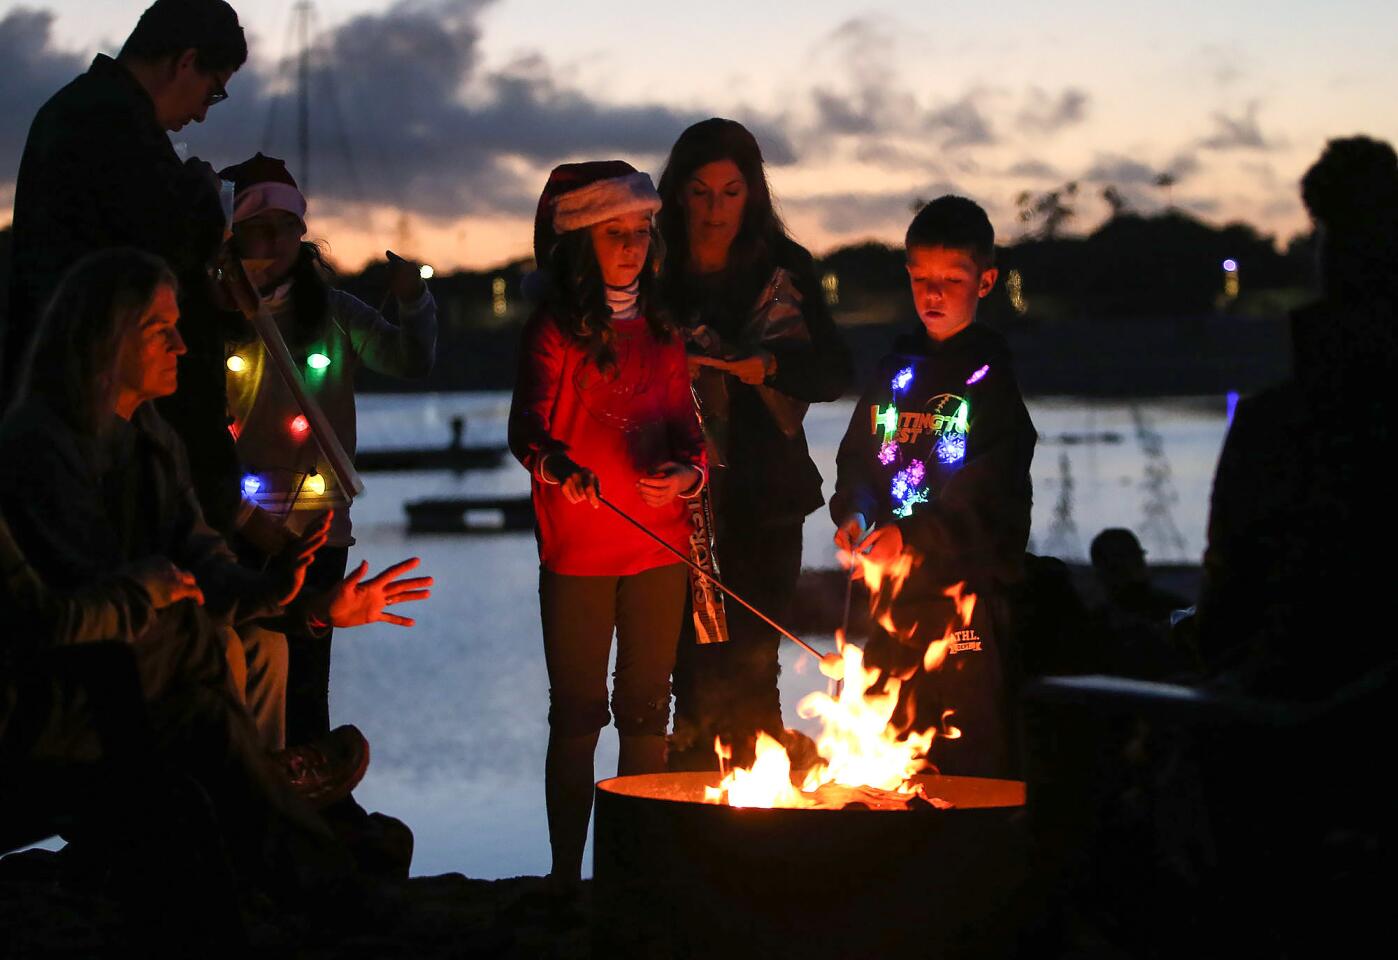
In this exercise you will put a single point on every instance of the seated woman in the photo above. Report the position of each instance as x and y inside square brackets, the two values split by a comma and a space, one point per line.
[92, 480]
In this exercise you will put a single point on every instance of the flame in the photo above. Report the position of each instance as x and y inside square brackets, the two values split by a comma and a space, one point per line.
[860, 744]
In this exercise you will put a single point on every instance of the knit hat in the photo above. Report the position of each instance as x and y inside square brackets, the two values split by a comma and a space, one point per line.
[580, 195]
[261, 184]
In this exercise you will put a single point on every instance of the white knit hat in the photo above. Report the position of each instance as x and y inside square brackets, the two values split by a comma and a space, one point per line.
[603, 200]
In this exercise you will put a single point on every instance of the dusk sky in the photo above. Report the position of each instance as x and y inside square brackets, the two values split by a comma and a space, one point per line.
[452, 111]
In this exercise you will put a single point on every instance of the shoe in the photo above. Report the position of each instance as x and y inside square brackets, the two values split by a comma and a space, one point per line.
[326, 770]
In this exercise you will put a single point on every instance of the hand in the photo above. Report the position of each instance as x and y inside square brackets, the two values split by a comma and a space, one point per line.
[667, 482]
[204, 169]
[851, 532]
[579, 483]
[404, 278]
[234, 282]
[286, 573]
[883, 546]
[166, 583]
[353, 603]
[752, 369]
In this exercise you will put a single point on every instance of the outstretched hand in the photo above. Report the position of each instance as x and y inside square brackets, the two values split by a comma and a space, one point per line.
[165, 583]
[356, 601]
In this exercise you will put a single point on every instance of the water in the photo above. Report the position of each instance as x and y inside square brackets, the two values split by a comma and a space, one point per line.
[455, 708]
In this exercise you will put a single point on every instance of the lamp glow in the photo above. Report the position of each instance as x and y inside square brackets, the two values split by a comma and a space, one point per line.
[315, 484]
[236, 363]
[317, 361]
[300, 425]
[1230, 265]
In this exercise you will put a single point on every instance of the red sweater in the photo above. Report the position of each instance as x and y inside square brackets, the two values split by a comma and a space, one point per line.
[620, 426]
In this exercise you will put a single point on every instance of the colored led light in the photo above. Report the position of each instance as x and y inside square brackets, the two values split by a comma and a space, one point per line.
[888, 452]
[951, 448]
[236, 363]
[888, 420]
[251, 484]
[1230, 265]
[317, 361]
[299, 425]
[978, 376]
[903, 378]
[315, 485]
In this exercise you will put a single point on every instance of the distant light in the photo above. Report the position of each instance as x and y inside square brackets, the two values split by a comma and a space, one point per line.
[299, 425]
[317, 361]
[251, 484]
[1230, 265]
[498, 304]
[315, 484]
[236, 363]
[425, 271]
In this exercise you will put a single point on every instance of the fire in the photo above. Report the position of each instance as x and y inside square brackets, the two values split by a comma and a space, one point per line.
[860, 743]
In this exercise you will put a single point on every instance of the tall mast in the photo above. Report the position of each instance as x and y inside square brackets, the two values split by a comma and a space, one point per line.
[303, 95]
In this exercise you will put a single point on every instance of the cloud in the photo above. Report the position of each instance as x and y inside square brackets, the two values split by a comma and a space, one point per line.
[403, 112]
[31, 71]
[1238, 132]
[848, 212]
[1033, 168]
[873, 101]
[961, 123]
[1044, 114]
[1124, 171]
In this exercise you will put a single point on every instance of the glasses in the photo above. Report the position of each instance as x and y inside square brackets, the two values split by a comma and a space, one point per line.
[217, 95]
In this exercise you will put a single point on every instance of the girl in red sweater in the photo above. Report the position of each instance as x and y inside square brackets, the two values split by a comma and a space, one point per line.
[602, 407]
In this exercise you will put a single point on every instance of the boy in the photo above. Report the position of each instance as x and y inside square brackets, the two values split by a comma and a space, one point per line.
[935, 463]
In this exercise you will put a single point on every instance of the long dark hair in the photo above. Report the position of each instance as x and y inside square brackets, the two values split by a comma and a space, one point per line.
[72, 362]
[577, 296]
[762, 238]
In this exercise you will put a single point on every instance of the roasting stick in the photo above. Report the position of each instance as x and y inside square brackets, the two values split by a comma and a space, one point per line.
[716, 582]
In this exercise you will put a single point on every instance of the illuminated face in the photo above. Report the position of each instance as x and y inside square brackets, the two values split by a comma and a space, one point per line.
[188, 92]
[147, 359]
[714, 200]
[268, 244]
[621, 245]
[947, 285]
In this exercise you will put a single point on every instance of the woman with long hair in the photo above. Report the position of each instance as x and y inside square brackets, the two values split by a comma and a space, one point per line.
[602, 408]
[763, 346]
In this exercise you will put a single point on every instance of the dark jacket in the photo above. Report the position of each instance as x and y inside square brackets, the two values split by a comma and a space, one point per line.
[82, 508]
[951, 466]
[1300, 522]
[98, 171]
[762, 474]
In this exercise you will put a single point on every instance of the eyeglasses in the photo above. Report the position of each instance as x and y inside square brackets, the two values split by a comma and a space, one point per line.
[217, 95]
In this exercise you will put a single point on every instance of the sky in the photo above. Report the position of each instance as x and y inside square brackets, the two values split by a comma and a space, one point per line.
[435, 122]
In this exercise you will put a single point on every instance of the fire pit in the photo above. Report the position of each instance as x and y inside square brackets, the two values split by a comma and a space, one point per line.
[678, 877]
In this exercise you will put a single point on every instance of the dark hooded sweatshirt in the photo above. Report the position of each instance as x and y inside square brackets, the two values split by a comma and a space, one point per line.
[940, 444]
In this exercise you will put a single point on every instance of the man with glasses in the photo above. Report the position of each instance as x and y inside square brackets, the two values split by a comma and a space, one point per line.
[99, 171]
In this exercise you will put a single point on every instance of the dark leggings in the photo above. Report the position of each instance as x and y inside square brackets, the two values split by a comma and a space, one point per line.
[579, 616]
[730, 689]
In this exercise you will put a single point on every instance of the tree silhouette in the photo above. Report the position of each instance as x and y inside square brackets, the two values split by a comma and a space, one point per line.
[1050, 209]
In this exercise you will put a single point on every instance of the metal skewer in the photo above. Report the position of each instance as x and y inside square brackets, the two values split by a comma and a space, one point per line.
[710, 577]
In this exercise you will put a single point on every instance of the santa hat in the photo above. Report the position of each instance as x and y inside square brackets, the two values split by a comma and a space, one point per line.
[261, 184]
[580, 195]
